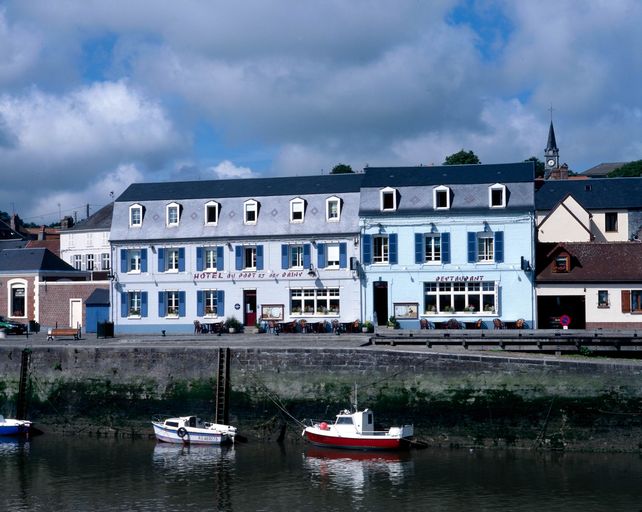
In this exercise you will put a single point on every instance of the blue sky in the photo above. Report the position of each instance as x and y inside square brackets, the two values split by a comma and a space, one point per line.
[96, 95]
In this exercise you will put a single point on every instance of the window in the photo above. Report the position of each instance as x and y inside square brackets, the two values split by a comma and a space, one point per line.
[250, 212]
[432, 249]
[333, 256]
[135, 216]
[211, 303]
[562, 263]
[210, 258]
[134, 260]
[134, 303]
[105, 261]
[486, 246]
[602, 299]
[211, 213]
[90, 262]
[497, 196]
[172, 260]
[460, 297]
[332, 209]
[297, 209]
[610, 222]
[441, 198]
[380, 249]
[388, 199]
[78, 261]
[173, 214]
[249, 258]
[17, 299]
[314, 301]
[171, 304]
[296, 256]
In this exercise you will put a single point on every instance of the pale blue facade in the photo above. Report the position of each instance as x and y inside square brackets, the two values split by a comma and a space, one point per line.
[442, 243]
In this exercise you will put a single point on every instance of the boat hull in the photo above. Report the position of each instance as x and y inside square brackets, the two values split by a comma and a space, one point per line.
[14, 427]
[360, 442]
[191, 436]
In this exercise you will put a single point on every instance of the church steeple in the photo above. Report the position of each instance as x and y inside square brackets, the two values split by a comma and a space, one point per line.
[551, 153]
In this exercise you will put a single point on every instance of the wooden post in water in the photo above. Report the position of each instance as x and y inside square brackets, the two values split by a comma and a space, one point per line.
[21, 406]
[222, 398]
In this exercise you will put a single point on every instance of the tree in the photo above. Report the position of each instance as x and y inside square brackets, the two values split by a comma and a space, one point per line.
[627, 170]
[462, 157]
[539, 166]
[341, 169]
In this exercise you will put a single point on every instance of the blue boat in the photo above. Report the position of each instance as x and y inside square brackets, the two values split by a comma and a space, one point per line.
[10, 427]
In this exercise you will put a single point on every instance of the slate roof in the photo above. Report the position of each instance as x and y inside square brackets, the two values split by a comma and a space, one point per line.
[99, 297]
[101, 220]
[593, 262]
[216, 189]
[32, 260]
[594, 194]
[601, 170]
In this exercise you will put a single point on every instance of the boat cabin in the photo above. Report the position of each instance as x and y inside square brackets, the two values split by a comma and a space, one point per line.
[361, 422]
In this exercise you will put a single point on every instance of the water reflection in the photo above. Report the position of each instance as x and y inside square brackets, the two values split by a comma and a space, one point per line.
[354, 470]
[12, 445]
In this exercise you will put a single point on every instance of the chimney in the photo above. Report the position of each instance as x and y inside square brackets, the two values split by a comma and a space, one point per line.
[41, 233]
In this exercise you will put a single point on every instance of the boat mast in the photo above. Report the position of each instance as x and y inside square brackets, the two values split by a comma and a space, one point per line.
[354, 396]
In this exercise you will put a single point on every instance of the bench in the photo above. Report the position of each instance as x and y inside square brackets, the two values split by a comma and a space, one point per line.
[63, 332]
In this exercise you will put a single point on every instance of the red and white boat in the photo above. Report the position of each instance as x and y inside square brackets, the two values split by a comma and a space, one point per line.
[355, 431]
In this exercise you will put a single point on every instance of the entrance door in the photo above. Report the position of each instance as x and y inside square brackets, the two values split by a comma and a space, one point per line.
[380, 301]
[249, 308]
[75, 313]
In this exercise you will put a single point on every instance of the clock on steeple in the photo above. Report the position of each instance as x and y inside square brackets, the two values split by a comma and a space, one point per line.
[551, 153]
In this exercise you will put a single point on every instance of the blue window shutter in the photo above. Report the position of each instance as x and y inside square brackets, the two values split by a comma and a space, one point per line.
[162, 310]
[445, 247]
[419, 247]
[366, 245]
[220, 258]
[472, 247]
[199, 259]
[181, 259]
[200, 306]
[220, 303]
[161, 259]
[239, 257]
[181, 303]
[307, 260]
[124, 304]
[285, 256]
[499, 246]
[392, 239]
[321, 255]
[123, 261]
[143, 304]
[259, 257]
[343, 255]
[143, 260]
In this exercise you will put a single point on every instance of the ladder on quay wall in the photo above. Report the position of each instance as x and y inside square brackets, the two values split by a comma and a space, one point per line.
[21, 406]
[222, 398]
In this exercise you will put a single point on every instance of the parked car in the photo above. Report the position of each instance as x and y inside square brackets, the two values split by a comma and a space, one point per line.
[11, 327]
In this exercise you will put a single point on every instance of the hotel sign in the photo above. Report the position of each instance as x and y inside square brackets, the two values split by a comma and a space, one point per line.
[286, 274]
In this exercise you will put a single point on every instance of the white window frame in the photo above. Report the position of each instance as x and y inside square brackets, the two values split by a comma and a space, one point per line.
[78, 261]
[134, 261]
[168, 215]
[249, 254]
[297, 210]
[335, 248]
[210, 303]
[315, 301]
[295, 257]
[386, 192]
[380, 249]
[105, 261]
[90, 262]
[495, 188]
[217, 209]
[436, 192]
[479, 296]
[210, 260]
[12, 285]
[172, 301]
[132, 209]
[134, 298]
[250, 206]
[432, 253]
[171, 259]
[485, 247]
[328, 210]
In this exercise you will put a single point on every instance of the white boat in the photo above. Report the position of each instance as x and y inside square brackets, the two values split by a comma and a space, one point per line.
[10, 427]
[192, 430]
[355, 431]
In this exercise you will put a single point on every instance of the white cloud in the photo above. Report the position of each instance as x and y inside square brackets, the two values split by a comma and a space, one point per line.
[227, 169]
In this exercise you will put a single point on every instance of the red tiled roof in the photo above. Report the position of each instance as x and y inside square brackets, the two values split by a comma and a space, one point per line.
[52, 245]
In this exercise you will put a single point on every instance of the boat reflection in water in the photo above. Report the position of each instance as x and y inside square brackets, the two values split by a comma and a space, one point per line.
[351, 470]
[12, 445]
[190, 458]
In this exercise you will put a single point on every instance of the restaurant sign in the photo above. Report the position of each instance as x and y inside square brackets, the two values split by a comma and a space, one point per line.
[450, 279]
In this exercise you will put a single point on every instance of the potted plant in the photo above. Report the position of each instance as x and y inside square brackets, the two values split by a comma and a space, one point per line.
[392, 323]
[233, 325]
[470, 309]
[369, 327]
[489, 309]
[448, 309]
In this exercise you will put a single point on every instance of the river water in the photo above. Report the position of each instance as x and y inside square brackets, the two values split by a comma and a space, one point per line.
[54, 473]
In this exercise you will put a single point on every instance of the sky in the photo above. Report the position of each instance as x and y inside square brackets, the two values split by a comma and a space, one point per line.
[95, 94]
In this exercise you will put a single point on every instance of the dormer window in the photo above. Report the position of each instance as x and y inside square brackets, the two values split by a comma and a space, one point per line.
[250, 212]
[333, 209]
[497, 196]
[135, 216]
[211, 213]
[297, 210]
[388, 199]
[173, 214]
[441, 198]
[562, 263]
